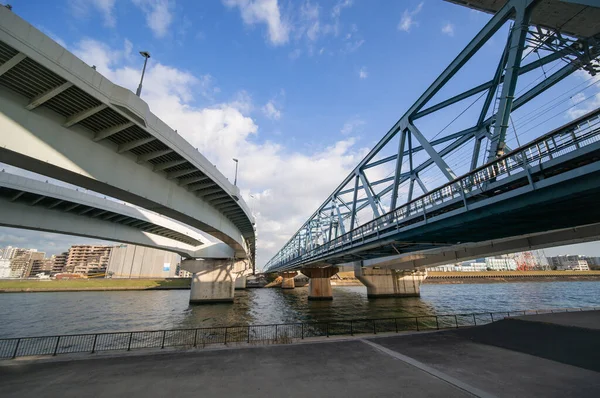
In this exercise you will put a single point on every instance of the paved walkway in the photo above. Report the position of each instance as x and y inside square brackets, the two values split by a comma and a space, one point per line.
[500, 359]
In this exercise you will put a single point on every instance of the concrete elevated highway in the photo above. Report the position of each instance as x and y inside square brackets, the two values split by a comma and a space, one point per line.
[62, 119]
[538, 195]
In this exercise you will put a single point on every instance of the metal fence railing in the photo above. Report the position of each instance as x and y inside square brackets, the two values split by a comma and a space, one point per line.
[251, 334]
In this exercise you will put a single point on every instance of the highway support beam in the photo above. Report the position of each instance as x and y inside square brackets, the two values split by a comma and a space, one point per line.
[384, 282]
[287, 281]
[319, 285]
[213, 280]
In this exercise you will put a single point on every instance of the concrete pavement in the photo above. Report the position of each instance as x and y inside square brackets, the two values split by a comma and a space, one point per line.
[508, 358]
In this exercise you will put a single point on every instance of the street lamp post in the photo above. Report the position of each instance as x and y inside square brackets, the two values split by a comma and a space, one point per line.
[236, 168]
[146, 55]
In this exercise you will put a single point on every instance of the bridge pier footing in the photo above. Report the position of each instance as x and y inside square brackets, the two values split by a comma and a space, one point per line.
[287, 281]
[319, 285]
[383, 282]
[213, 280]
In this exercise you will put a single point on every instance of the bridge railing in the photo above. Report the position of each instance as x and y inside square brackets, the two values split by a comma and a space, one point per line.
[564, 140]
[251, 334]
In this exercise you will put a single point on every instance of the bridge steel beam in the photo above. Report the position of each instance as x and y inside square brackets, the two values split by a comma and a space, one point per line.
[470, 251]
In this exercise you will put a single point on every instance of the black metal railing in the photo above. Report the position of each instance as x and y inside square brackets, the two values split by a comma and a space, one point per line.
[251, 334]
[564, 140]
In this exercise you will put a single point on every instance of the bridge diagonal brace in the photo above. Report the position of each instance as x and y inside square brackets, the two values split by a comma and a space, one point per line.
[397, 175]
[369, 192]
[433, 154]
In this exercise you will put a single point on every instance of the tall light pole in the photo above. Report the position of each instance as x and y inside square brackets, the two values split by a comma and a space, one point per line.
[236, 167]
[146, 55]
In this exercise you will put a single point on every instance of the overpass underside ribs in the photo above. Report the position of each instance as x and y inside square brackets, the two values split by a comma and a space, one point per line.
[416, 161]
[44, 83]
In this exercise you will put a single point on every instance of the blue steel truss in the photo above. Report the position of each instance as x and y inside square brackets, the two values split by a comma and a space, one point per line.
[358, 200]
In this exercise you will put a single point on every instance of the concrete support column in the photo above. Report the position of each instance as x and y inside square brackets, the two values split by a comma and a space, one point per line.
[212, 281]
[383, 282]
[240, 282]
[319, 286]
[288, 279]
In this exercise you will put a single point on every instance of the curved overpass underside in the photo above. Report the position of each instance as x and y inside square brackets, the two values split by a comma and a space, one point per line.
[36, 205]
[62, 119]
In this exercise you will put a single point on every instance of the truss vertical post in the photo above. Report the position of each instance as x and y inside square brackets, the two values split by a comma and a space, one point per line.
[355, 198]
[398, 173]
[515, 54]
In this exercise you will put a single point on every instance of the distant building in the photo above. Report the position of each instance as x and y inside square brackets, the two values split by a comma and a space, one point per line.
[87, 259]
[131, 261]
[4, 268]
[7, 253]
[41, 266]
[22, 260]
[569, 262]
[499, 263]
[60, 263]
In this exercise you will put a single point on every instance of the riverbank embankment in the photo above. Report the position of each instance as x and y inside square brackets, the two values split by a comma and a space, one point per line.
[510, 276]
[101, 285]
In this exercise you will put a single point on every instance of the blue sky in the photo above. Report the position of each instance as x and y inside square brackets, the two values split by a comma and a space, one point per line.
[297, 90]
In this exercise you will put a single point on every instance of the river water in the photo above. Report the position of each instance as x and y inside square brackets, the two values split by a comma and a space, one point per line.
[39, 314]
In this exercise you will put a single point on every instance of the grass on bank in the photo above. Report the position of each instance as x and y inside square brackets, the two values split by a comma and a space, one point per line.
[94, 283]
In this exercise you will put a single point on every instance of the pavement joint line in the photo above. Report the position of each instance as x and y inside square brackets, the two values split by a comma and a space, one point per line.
[433, 372]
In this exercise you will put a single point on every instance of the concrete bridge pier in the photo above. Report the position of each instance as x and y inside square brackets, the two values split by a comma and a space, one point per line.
[213, 280]
[240, 282]
[319, 285]
[288, 279]
[384, 282]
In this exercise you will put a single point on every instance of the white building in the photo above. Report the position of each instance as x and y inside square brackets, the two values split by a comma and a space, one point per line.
[4, 268]
[501, 264]
[7, 253]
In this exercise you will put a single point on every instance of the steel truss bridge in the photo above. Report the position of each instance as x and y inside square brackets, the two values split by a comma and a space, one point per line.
[502, 192]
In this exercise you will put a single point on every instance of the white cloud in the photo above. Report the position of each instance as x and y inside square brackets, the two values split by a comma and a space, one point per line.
[407, 21]
[340, 5]
[158, 15]
[352, 46]
[362, 73]
[271, 111]
[448, 29]
[295, 54]
[82, 8]
[263, 11]
[282, 180]
[351, 126]
[583, 103]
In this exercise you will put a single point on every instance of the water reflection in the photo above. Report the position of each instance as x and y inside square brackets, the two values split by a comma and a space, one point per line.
[35, 314]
